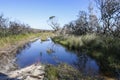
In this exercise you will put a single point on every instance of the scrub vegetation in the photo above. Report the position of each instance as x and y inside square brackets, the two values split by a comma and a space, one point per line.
[98, 37]
[104, 49]
[11, 32]
[66, 72]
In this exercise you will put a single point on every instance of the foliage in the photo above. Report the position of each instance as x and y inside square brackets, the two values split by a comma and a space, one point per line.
[18, 28]
[45, 35]
[65, 72]
[110, 16]
[104, 49]
[100, 38]
[107, 24]
[8, 28]
[53, 23]
[12, 39]
[75, 41]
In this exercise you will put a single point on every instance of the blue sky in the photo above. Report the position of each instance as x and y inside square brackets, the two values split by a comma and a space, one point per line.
[37, 12]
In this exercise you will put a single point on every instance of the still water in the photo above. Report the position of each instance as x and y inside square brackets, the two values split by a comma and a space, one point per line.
[48, 52]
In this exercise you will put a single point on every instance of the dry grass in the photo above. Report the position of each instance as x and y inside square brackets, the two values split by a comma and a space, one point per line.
[14, 39]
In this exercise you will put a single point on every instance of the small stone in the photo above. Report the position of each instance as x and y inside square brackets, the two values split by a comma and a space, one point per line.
[29, 78]
[36, 73]
[21, 77]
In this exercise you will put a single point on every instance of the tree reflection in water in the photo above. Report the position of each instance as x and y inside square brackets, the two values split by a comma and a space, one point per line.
[86, 65]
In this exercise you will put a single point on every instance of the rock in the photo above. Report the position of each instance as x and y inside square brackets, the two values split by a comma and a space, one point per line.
[29, 78]
[49, 51]
[33, 72]
[33, 78]
[37, 73]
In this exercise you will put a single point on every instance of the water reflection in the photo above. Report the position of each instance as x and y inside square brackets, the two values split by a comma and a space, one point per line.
[86, 65]
[48, 52]
[27, 46]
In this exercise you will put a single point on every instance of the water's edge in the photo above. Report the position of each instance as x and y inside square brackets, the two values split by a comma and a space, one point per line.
[7, 56]
[47, 52]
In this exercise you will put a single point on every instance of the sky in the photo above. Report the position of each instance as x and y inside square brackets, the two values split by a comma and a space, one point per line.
[37, 12]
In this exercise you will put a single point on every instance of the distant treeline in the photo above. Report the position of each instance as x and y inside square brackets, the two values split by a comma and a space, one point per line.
[8, 27]
[108, 22]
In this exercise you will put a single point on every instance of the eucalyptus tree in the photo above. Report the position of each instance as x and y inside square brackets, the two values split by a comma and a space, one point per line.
[3, 26]
[81, 24]
[93, 20]
[53, 22]
[110, 13]
[16, 28]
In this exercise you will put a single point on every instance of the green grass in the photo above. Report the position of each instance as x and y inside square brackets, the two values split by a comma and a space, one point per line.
[75, 42]
[45, 35]
[14, 39]
[106, 50]
[65, 72]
